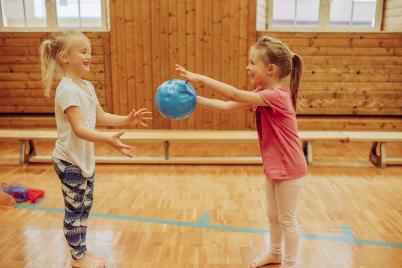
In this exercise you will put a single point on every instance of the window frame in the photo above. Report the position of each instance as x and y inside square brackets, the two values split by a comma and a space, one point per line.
[51, 20]
[323, 20]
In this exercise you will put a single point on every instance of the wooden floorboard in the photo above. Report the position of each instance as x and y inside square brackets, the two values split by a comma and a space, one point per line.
[209, 216]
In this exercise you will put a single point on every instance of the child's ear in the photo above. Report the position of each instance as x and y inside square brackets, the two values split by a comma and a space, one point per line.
[63, 57]
[272, 69]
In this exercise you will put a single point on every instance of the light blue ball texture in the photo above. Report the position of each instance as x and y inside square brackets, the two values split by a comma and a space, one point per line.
[175, 99]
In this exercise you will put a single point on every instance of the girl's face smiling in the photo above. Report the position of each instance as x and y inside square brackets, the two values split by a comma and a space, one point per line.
[79, 58]
[258, 71]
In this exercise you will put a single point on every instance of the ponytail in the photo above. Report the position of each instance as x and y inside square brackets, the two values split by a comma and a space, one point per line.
[48, 64]
[295, 77]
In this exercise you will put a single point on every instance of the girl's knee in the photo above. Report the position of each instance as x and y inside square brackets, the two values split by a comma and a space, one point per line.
[287, 222]
[273, 217]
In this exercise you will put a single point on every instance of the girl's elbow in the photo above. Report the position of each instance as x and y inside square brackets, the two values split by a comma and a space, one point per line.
[235, 96]
[79, 132]
[226, 108]
[100, 118]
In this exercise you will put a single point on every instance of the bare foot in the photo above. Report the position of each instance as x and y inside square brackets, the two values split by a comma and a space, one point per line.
[88, 262]
[265, 260]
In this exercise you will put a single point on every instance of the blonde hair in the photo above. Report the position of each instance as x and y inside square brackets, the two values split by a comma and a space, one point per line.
[50, 52]
[274, 51]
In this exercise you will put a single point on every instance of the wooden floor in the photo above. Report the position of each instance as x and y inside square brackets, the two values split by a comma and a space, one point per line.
[210, 216]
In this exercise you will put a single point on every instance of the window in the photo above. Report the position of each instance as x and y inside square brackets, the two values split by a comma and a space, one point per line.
[322, 15]
[44, 15]
[293, 13]
[357, 13]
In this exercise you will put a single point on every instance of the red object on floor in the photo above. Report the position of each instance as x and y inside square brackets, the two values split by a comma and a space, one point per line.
[34, 194]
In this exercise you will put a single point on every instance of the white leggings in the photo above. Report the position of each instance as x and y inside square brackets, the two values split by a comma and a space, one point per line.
[282, 199]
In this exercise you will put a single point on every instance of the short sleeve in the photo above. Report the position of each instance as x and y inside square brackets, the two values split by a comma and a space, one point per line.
[273, 98]
[277, 100]
[67, 97]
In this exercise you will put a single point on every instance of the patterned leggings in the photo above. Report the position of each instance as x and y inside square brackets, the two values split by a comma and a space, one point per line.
[78, 197]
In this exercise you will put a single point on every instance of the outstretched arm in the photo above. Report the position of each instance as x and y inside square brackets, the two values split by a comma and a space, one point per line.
[230, 92]
[219, 105]
[133, 118]
[75, 117]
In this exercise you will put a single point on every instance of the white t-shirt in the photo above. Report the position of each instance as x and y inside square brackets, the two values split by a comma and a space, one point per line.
[69, 147]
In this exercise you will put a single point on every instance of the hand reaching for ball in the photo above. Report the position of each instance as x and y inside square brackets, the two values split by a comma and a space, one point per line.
[139, 117]
[187, 75]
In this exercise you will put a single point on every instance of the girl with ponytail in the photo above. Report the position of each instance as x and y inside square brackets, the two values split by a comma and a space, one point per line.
[274, 105]
[66, 57]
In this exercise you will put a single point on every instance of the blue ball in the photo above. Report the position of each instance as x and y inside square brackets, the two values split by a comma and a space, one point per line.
[175, 99]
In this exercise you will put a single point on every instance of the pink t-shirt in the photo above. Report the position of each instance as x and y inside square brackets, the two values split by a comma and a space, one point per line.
[276, 124]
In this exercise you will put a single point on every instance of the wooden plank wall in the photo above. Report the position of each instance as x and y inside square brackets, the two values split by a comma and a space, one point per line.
[392, 21]
[149, 37]
[20, 73]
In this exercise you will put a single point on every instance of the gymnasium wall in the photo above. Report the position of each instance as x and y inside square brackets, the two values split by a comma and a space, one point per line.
[20, 73]
[392, 16]
[351, 80]
[150, 37]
